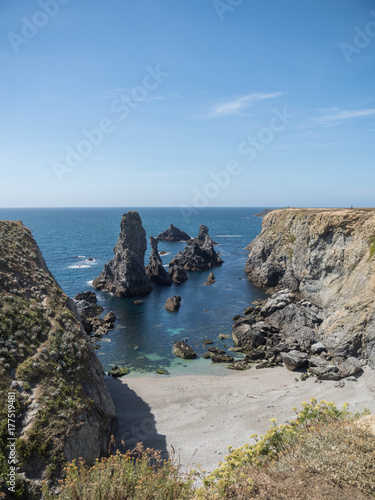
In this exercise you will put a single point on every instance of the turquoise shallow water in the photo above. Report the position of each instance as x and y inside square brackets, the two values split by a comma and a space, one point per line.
[144, 334]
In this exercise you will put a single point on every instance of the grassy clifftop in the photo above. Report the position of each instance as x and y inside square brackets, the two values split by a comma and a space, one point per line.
[63, 409]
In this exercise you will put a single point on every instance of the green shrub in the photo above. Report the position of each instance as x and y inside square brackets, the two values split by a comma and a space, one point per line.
[138, 475]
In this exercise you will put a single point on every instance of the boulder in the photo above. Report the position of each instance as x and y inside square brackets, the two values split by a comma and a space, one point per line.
[183, 350]
[350, 367]
[155, 270]
[222, 358]
[277, 301]
[248, 335]
[125, 274]
[215, 350]
[318, 348]
[173, 234]
[294, 359]
[89, 296]
[173, 303]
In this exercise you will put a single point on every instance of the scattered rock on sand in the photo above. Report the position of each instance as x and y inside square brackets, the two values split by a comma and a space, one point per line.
[294, 359]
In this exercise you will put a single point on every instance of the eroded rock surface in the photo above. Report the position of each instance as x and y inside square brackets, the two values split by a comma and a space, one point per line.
[326, 257]
[155, 270]
[173, 234]
[199, 254]
[125, 274]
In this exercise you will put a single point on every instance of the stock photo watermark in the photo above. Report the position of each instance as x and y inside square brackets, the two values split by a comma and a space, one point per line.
[362, 39]
[248, 150]
[224, 6]
[30, 27]
[121, 108]
[11, 442]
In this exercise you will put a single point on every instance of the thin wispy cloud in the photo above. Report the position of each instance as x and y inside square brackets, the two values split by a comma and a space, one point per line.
[237, 106]
[335, 114]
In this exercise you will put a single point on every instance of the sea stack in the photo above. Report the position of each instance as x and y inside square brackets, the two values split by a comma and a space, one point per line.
[125, 275]
[198, 255]
[155, 270]
[173, 234]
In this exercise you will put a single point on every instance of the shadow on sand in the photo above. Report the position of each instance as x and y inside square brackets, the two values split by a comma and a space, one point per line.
[136, 423]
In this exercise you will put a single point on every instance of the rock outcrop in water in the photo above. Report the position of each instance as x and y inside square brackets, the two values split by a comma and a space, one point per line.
[178, 274]
[327, 257]
[155, 270]
[125, 274]
[199, 254]
[64, 410]
[173, 234]
[173, 303]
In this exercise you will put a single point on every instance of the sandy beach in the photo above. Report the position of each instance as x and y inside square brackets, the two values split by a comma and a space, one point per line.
[199, 416]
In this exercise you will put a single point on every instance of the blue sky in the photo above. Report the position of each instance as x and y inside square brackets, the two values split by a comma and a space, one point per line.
[189, 102]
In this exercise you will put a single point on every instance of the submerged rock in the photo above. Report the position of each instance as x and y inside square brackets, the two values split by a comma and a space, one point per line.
[173, 303]
[173, 234]
[118, 371]
[155, 270]
[162, 371]
[182, 350]
[125, 274]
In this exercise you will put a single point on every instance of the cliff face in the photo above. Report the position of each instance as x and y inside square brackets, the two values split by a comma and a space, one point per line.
[63, 408]
[125, 274]
[327, 255]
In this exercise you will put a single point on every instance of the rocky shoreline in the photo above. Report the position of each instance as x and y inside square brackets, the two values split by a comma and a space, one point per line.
[325, 257]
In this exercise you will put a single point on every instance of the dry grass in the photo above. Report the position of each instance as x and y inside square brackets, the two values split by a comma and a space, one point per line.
[335, 461]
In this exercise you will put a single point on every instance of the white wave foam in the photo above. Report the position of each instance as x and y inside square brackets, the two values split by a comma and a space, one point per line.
[90, 282]
[228, 236]
[164, 254]
[79, 266]
[81, 257]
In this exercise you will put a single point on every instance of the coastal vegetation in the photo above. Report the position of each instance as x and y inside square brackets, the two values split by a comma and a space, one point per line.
[323, 451]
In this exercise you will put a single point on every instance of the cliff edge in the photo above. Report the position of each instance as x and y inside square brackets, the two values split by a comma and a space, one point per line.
[327, 256]
[62, 408]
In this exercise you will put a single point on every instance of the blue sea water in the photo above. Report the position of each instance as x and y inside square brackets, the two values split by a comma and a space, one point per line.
[144, 334]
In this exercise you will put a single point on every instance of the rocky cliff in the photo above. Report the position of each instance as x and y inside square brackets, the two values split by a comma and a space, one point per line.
[327, 257]
[63, 408]
[125, 275]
